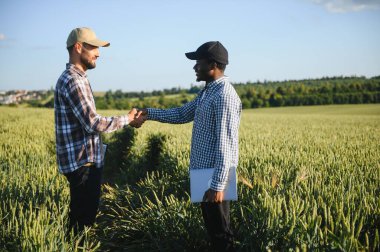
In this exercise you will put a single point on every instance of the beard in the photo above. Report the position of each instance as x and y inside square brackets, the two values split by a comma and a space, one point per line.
[87, 62]
[200, 76]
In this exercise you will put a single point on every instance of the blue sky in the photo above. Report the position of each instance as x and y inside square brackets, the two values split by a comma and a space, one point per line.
[266, 40]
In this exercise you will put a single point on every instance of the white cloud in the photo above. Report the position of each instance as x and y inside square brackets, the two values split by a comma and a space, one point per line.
[2, 36]
[342, 6]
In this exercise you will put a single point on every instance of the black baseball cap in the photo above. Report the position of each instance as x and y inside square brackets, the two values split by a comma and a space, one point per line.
[213, 50]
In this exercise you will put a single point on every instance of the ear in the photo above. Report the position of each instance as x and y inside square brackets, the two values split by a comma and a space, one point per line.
[212, 66]
[78, 48]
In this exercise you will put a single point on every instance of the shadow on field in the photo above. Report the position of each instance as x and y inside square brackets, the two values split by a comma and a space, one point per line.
[145, 203]
[118, 157]
[124, 168]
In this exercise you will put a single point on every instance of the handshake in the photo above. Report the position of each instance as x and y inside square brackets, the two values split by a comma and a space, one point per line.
[137, 117]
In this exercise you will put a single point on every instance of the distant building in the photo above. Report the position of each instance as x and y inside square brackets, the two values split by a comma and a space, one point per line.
[19, 96]
[7, 99]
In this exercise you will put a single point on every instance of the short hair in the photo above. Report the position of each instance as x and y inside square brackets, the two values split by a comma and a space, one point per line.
[70, 49]
[220, 66]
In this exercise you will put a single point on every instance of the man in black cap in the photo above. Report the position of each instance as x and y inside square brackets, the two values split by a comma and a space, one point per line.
[216, 115]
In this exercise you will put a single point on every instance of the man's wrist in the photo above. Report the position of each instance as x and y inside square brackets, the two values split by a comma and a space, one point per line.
[218, 186]
[125, 120]
[149, 113]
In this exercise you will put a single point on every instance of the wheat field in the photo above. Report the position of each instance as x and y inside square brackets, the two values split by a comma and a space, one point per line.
[309, 179]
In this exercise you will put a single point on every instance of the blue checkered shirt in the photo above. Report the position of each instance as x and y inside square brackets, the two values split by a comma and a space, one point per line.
[77, 125]
[216, 115]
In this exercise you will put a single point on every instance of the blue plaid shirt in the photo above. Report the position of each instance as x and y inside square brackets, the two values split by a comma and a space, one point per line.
[77, 124]
[216, 115]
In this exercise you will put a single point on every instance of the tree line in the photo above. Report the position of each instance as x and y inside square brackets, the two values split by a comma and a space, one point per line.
[322, 91]
[335, 90]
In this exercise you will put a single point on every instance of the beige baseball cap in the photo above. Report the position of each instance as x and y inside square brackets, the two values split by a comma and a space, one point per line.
[85, 35]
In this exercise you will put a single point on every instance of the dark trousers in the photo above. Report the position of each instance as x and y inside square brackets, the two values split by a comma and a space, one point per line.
[217, 221]
[85, 185]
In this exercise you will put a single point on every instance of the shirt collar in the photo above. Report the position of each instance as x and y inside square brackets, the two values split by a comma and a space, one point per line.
[216, 82]
[74, 68]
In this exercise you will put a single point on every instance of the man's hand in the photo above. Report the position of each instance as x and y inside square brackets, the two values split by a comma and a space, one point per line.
[132, 114]
[143, 112]
[213, 196]
[136, 119]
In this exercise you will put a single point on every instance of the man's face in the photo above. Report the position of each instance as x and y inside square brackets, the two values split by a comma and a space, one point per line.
[203, 70]
[89, 55]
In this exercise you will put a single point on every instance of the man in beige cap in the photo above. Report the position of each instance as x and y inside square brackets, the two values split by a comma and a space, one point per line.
[80, 151]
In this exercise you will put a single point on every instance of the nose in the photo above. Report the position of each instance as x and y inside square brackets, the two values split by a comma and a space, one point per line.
[97, 53]
[195, 67]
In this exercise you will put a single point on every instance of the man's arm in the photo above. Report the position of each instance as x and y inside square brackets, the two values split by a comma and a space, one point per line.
[79, 97]
[178, 115]
[227, 116]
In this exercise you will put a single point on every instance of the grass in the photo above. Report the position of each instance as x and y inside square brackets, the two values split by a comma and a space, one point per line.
[313, 176]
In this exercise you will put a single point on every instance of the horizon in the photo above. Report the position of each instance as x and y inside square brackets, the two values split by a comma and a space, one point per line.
[266, 40]
[202, 83]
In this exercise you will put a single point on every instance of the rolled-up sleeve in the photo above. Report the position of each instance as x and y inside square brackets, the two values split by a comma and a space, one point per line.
[79, 96]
